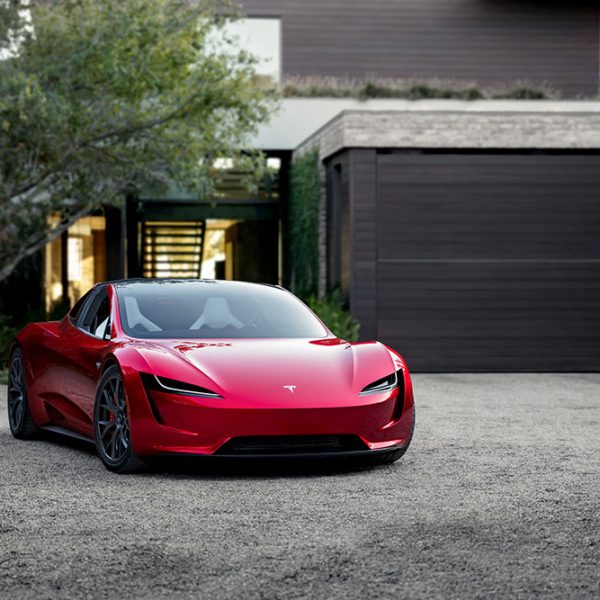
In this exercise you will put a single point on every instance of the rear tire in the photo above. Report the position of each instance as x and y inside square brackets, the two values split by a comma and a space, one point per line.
[20, 420]
[111, 425]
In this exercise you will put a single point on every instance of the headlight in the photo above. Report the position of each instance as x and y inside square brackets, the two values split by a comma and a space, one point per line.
[171, 386]
[385, 384]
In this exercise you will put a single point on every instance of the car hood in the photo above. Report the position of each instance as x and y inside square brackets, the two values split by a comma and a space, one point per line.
[269, 372]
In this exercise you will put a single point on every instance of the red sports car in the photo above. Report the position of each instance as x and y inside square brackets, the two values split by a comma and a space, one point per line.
[210, 368]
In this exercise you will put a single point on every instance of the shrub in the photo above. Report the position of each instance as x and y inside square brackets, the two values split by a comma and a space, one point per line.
[303, 225]
[520, 93]
[333, 311]
[411, 89]
[7, 336]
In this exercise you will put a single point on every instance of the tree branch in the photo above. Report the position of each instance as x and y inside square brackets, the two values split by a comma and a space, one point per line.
[38, 242]
[128, 131]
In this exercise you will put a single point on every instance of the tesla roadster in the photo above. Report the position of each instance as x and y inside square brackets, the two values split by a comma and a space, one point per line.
[210, 368]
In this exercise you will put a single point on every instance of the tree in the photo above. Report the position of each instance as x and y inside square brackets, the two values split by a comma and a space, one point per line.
[98, 97]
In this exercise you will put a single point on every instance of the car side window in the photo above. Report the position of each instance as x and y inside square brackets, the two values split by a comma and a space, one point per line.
[78, 306]
[95, 318]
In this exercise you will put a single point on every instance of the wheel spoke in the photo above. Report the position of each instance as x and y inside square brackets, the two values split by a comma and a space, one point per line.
[110, 404]
[14, 407]
[108, 429]
[115, 393]
[113, 444]
[19, 413]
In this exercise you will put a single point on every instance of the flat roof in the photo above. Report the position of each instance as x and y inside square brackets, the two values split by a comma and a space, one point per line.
[463, 125]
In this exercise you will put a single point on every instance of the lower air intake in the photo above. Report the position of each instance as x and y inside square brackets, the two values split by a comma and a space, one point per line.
[269, 445]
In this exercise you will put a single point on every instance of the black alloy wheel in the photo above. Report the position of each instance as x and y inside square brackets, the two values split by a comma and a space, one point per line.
[111, 424]
[20, 420]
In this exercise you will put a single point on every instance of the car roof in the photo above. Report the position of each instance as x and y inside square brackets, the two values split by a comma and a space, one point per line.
[162, 281]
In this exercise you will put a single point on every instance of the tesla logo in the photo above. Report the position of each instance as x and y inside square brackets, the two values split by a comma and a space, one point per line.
[290, 387]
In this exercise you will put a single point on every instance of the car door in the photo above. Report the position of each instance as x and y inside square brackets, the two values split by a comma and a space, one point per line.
[85, 342]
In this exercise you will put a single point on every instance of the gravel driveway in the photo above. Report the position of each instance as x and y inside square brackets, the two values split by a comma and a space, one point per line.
[499, 496]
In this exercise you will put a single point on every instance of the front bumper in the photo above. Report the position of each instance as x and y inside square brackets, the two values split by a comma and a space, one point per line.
[289, 456]
[167, 424]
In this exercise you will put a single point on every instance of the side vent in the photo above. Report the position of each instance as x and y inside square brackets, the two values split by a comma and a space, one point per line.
[399, 406]
[148, 381]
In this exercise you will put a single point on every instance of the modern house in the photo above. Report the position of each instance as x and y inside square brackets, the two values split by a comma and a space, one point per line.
[466, 233]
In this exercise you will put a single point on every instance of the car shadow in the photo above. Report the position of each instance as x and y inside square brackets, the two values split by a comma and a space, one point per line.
[66, 441]
[181, 467]
[51, 438]
[185, 467]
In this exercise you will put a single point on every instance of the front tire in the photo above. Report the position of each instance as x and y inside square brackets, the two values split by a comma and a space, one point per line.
[387, 458]
[111, 425]
[20, 420]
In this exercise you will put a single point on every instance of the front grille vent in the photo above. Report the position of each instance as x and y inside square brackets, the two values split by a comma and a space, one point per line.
[291, 444]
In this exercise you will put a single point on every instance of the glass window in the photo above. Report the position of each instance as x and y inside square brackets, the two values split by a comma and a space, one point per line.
[213, 309]
[74, 312]
[260, 37]
[96, 317]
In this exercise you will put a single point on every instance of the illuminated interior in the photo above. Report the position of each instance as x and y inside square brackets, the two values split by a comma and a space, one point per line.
[86, 260]
[214, 263]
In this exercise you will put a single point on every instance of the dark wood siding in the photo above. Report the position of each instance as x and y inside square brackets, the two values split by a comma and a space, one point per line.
[351, 233]
[338, 224]
[489, 262]
[363, 251]
[484, 40]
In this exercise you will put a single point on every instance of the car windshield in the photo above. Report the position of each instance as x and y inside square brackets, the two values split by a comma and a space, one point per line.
[213, 309]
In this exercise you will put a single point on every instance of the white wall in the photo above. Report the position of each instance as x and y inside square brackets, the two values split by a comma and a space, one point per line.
[299, 118]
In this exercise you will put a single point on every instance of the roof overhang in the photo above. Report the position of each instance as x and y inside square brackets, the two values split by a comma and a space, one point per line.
[550, 125]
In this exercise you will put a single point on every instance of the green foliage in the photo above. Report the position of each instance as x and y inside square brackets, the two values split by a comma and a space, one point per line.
[98, 97]
[303, 245]
[417, 92]
[333, 311]
[521, 93]
[7, 336]
[410, 89]
[303, 225]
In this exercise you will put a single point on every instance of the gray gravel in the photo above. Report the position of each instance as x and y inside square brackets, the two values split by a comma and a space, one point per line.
[499, 496]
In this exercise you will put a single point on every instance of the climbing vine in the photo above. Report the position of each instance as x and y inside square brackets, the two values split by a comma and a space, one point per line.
[303, 225]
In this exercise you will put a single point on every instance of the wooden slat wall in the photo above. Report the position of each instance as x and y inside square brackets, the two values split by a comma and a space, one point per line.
[489, 262]
[488, 41]
[363, 249]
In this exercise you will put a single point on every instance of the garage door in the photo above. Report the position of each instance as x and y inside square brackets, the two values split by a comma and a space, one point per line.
[490, 262]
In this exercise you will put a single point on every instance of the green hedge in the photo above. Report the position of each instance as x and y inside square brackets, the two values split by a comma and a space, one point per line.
[303, 226]
[7, 336]
[334, 313]
[411, 89]
[303, 249]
